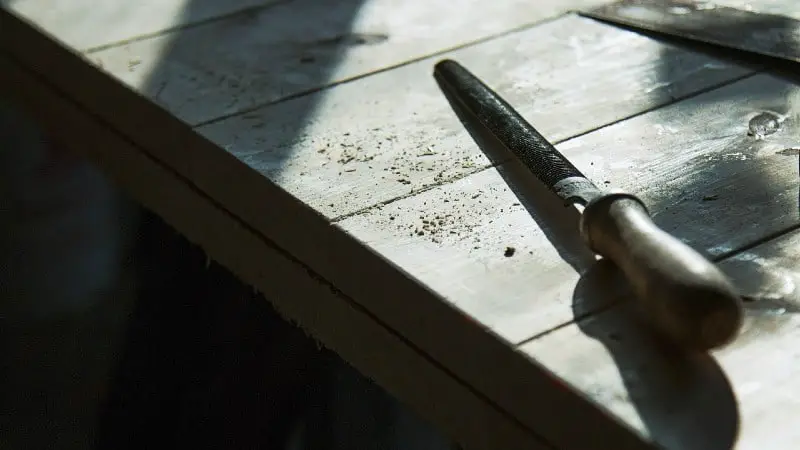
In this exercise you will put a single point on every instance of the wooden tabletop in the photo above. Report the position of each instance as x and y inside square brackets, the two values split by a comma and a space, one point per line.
[305, 145]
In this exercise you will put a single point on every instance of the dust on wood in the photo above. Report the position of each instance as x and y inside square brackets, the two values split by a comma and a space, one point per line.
[401, 122]
[692, 185]
[176, 90]
[247, 60]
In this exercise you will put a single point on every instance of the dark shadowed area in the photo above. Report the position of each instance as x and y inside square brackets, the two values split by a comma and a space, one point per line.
[207, 362]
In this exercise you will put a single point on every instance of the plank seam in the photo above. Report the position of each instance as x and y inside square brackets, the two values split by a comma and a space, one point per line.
[717, 259]
[454, 179]
[757, 242]
[186, 26]
[351, 79]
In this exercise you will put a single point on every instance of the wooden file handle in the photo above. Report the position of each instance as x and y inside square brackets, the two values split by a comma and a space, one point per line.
[685, 296]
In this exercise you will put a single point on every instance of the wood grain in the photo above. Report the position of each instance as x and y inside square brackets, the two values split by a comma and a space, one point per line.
[88, 24]
[296, 292]
[691, 402]
[408, 308]
[705, 180]
[401, 302]
[252, 59]
[393, 134]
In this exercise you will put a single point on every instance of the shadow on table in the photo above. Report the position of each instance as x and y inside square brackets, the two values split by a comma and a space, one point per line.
[683, 399]
[208, 363]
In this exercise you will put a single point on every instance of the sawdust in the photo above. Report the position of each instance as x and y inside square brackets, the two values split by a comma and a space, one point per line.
[450, 217]
[422, 165]
[391, 160]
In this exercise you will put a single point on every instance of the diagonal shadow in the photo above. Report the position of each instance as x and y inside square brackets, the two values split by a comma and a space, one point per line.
[167, 313]
[318, 59]
[207, 363]
[252, 374]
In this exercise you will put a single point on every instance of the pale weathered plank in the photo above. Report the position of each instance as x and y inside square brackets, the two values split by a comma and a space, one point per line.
[218, 69]
[87, 24]
[705, 180]
[696, 402]
[394, 133]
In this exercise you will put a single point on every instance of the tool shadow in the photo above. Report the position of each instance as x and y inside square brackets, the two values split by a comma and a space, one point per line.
[684, 400]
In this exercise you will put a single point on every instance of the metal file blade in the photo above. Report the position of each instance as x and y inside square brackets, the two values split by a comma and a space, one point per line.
[525, 142]
[764, 34]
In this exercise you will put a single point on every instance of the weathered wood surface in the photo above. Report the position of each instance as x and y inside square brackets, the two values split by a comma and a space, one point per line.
[697, 402]
[392, 134]
[704, 178]
[90, 24]
[248, 60]
[404, 305]
[752, 185]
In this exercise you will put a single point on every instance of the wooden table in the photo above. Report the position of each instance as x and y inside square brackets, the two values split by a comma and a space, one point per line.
[304, 144]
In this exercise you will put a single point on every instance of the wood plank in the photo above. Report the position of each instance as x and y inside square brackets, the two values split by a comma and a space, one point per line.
[408, 308]
[402, 298]
[297, 293]
[696, 402]
[728, 190]
[394, 133]
[249, 60]
[87, 24]
[704, 179]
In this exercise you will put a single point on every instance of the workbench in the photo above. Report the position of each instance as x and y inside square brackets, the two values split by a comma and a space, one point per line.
[306, 147]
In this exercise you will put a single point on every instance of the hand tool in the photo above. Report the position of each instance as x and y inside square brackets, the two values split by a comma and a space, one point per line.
[685, 296]
[770, 35]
